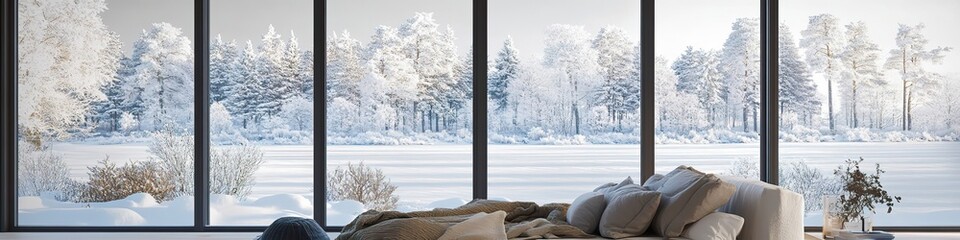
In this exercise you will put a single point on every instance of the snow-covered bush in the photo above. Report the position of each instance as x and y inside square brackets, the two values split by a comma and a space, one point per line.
[298, 112]
[128, 122]
[232, 169]
[42, 172]
[809, 182]
[364, 184]
[109, 182]
[175, 155]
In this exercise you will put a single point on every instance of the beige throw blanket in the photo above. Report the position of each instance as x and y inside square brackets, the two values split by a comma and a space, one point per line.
[524, 220]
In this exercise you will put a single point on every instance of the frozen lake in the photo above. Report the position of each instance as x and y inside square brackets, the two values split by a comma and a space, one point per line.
[926, 175]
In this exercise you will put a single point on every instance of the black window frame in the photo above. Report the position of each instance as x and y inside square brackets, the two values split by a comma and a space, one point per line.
[769, 12]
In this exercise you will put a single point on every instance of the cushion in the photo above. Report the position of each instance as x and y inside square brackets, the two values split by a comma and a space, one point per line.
[629, 214]
[611, 186]
[480, 226]
[654, 182]
[584, 213]
[686, 196]
[715, 226]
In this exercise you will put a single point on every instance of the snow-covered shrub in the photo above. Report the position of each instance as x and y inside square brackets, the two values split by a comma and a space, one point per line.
[109, 182]
[175, 154]
[298, 112]
[809, 182]
[537, 133]
[232, 169]
[746, 167]
[342, 116]
[364, 184]
[41, 171]
[128, 122]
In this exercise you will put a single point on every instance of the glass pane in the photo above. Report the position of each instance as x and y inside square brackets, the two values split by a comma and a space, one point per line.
[105, 113]
[563, 97]
[862, 81]
[261, 111]
[399, 104]
[708, 86]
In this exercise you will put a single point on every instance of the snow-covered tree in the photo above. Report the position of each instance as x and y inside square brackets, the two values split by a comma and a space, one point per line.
[107, 113]
[506, 68]
[674, 113]
[164, 69]
[614, 57]
[741, 69]
[65, 55]
[271, 54]
[392, 80]
[434, 57]
[223, 68]
[290, 84]
[861, 70]
[798, 92]
[698, 72]
[306, 68]
[909, 59]
[298, 112]
[344, 67]
[823, 43]
[568, 49]
[246, 99]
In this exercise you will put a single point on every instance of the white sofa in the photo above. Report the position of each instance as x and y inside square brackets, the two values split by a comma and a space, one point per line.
[770, 212]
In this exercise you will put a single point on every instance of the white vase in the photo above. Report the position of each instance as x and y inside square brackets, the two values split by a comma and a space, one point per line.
[832, 224]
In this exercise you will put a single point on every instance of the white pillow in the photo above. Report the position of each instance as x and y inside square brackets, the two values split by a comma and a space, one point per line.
[585, 212]
[481, 226]
[715, 226]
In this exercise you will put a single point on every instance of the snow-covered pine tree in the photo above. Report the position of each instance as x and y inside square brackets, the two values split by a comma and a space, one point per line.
[823, 42]
[306, 68]
[798, 92]
[687, 68]
[65, 55]
[909, 59]
[223, 68]
[291, 74]
[568, 49]
[861, 69]
[506, 69]
[164, 69]
[344, 68]
[741, 68]
[107, 113]
[244, 101]
[269, 66]
[614, 57]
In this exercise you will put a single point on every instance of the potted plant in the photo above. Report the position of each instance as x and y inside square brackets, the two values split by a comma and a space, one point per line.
[861, 192]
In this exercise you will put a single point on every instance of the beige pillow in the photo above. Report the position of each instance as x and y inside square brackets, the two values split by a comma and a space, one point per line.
[654, 182]
[629, 214]
[481, 226]
[715, 226]
[686, 196]
[584, 213]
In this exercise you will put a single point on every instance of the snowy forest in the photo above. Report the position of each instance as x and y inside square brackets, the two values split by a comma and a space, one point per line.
[408, 85]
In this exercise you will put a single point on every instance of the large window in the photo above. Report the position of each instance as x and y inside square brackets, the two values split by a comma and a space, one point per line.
[707, 91]
[862, 81]
[105, 112]
[106, 132]
[399, 78]
[563, 97]
[261, 111]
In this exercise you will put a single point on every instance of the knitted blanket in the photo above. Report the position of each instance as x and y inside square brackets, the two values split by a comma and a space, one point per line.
[524, 220]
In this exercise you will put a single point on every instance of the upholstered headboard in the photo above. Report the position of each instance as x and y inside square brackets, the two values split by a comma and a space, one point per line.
[769, 211]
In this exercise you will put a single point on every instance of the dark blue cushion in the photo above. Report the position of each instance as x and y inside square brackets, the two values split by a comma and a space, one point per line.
[294, 228]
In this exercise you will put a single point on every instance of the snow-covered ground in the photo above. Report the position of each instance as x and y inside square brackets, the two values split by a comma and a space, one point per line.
[924, 174]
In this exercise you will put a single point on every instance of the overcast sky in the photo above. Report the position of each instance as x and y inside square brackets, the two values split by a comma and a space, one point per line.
[234, 19]
[698, 23]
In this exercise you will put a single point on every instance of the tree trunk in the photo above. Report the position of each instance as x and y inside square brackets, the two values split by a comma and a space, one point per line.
[830, 103]
[856, 121]
[576, 118]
